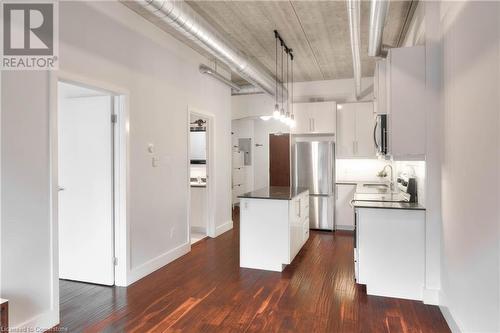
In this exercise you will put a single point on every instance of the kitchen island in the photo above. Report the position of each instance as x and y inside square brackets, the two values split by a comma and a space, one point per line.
[274, 225]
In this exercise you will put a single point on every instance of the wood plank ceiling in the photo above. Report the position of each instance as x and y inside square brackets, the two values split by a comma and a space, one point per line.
[318, 32]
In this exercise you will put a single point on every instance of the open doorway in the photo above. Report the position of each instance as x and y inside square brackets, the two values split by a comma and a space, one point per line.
[198, 176]
[85, 163]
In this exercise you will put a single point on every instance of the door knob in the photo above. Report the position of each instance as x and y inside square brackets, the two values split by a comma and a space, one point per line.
[59, 188]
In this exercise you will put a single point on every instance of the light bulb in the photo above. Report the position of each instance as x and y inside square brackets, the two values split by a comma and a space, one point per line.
[282, 114]
[276, 112]
[292, 123]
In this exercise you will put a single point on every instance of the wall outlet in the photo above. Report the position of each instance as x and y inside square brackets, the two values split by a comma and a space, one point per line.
[155, 161]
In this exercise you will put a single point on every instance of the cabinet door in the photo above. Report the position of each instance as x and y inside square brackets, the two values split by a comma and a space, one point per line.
[346, 131]
[323, 117]
[380, 88]
[365, 121]
[344, 213]
[406, 102]
[302, 118]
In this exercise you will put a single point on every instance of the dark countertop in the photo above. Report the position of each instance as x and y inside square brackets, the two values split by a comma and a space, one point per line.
[274, 192]
[387, 205]
[392, 197]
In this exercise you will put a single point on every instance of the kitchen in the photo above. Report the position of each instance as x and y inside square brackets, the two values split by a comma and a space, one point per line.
[357, 166]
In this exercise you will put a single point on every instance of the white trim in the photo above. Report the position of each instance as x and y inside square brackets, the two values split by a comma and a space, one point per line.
[202, 230]
[344, 227]
[431, 296]
[41, 322]
[121, 166]
[452, 322]
[223, 228]
[211, 167]
[158, 262]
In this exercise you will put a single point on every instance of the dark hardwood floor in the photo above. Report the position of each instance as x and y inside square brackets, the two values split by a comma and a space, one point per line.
[207, 291]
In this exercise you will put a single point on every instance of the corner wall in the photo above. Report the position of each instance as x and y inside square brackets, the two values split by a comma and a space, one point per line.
[471, 165]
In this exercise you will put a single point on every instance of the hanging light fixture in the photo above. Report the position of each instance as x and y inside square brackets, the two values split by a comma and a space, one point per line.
[287, 114]
[276, 112]
[282, 111]
[292, 121]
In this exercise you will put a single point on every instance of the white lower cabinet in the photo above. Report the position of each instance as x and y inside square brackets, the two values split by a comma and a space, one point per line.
[390, 255]
[344, 213]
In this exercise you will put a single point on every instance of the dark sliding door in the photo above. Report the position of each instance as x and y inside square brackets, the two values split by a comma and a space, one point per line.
[279, 159]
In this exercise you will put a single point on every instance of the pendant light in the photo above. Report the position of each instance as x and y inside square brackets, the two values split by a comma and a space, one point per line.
[282, 111]
[287, 114]
[292, 121]
[276, 112]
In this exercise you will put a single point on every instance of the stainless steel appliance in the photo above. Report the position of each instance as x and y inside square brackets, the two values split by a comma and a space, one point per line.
[313, 167]
[380, 134]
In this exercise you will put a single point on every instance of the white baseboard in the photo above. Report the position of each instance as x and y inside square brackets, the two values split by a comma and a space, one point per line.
[431, 296]
[448, 316]
[39, 323]
[202, 230]
[344, 227]
[223, 228]
[157, 263]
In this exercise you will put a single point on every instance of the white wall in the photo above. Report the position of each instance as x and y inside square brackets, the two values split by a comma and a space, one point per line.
[27, 267]
[471, 164]
[328, 90]
[119, 48]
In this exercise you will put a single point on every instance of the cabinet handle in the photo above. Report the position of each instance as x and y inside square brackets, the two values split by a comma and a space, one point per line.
[314, 124]
[354, 147]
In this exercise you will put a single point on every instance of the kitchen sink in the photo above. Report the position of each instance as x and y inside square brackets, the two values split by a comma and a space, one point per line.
[376, 185]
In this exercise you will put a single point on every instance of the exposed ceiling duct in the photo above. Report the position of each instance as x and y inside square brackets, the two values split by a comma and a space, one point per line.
[378, 14]
[247, 89]
[204, 69]
[354, 13]
[185, 20]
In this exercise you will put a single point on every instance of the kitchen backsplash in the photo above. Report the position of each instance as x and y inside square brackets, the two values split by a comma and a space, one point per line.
[359, 169]
[365, 170]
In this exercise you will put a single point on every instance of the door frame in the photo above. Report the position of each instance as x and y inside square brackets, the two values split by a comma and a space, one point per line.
[211, 165]
[121, 223]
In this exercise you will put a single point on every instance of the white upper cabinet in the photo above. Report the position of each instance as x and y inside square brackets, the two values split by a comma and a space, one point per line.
[355, 124]
[405, 85]
[380, 87]
[318, 117]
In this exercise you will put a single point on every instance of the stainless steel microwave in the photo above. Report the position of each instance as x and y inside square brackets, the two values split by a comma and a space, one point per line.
[380, 134]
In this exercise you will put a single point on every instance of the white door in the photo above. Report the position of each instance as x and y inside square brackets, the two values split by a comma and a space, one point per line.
[324, 117]
[302, 118]
[344, 213]
[346, 127]
[365, 121]
[86, 190]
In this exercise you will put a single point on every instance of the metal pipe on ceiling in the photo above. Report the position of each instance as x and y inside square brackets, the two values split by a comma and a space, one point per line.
[378, 14]
[354, 13]
[204, 69]
[247, 89]
[191, 25]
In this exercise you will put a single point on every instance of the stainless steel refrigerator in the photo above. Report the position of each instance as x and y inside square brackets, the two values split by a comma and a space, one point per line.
[313, 167]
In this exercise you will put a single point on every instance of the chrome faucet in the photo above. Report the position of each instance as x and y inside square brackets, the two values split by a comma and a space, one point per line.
[383, 173]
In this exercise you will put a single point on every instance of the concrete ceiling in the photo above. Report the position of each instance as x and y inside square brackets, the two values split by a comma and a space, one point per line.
[317, 31]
